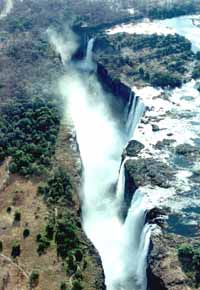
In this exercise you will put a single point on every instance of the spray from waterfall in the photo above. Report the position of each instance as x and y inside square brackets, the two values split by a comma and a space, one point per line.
[123, 246]
[8, 5]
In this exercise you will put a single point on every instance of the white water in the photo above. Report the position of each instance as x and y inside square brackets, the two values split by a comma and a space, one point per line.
[134, 116]
[123, 246]
[8, 5]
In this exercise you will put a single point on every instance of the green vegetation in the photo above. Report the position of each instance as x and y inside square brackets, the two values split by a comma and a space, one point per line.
[77, 285]
[34, 279]
[58, 188]
[17, 216]
[28, 131]
[63, 286]
[26, 233]
[1, 246]
[16, 249]
[170, 11]
[157, 60]
[43, 244]
[189, 257]
[165, 79]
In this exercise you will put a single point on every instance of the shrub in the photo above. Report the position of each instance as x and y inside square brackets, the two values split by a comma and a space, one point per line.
[9, 209]
[16, 250]
[50, 231]
[43, 245]
[34, 279]
[185, 250]
[1, 246]
[58, 188]
[63, 286]
[17, 216]
[26, 233]
[77, 285]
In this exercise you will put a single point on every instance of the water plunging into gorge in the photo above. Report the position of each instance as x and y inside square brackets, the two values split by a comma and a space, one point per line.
[123, 245]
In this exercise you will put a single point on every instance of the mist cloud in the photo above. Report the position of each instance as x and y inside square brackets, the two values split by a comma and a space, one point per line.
[65, 46]
[7, 7]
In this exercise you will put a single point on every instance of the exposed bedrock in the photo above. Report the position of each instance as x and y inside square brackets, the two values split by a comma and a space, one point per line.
[164, 270]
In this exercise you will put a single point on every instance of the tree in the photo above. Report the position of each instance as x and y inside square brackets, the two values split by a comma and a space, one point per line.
[16, 250]
[34, 279]
[1, 246]
[26, 233]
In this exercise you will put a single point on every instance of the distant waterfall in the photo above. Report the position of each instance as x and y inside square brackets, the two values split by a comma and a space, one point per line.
[88, 64]
[88, 57]
[136, 111]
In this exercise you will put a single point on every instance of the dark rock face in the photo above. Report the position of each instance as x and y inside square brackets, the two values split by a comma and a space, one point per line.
[133, 148]
[165, 143]
[116, 86]
[149, 172]
[156, 216]
[187, 150]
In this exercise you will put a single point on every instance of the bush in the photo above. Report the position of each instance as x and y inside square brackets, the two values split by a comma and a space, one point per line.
[165, 79]
[16, 250]
[77, 285]
[43, 245]
[26, 233]
[1, 246]
[189, 257]
[17, 216]
[185, 250]
[34, 279]
[58, 188]
[63, 286]
[50, 231]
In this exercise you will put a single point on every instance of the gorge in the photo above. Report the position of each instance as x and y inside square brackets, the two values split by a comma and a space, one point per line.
[99, 145]
[123, 241]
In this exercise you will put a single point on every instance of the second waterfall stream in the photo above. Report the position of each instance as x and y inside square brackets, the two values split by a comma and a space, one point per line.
[122, 244]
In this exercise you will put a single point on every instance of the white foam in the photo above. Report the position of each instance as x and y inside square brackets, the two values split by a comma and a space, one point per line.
[8, 5]
[146, 27]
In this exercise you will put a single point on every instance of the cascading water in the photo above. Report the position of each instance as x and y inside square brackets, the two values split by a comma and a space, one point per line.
[123, 245]
[134, 116]
[8, 5]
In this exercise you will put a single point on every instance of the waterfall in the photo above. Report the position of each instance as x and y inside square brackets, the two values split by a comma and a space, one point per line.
[137, 239]
[136, 112]
[87, 64]
[90, 45]
[121, 185]
[123, 246]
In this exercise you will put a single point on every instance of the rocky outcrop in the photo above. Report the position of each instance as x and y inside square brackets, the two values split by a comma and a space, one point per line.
[133, 149]
[164, 271]
[142, 172]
